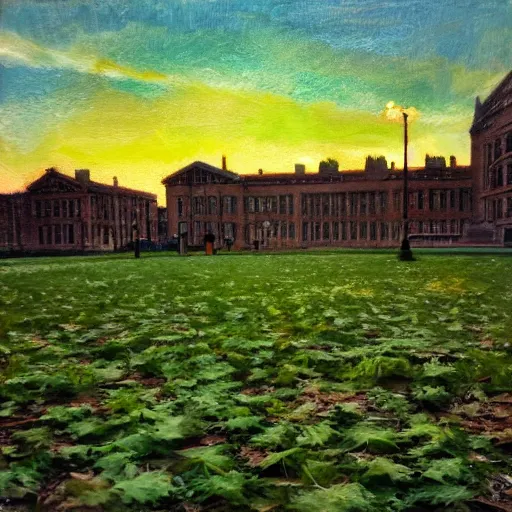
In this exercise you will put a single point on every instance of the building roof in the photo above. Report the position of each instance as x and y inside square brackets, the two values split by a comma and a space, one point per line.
[459, 172]
[498, 100]
[86, 186]
[205, 167]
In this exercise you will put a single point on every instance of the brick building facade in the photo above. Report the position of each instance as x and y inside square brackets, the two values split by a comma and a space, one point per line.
[328, 208]
[61, 213]
[491, 162]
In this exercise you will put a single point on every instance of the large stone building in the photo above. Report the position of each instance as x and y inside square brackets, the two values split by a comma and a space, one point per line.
[333, 208]
[491, 163]
[61, 213]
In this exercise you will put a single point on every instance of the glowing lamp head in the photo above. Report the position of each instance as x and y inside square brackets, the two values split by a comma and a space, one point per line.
[396, 113]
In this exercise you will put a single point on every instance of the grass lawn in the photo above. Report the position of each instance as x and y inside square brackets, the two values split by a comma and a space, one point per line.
[316, 382]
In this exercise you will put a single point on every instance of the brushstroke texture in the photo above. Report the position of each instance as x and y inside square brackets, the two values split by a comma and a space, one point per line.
[138, 88]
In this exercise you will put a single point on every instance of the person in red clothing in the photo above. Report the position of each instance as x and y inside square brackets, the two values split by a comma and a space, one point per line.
[209, 242]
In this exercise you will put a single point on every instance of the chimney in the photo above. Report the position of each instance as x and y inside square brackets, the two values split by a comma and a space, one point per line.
[224, 163]
[300, 169]
[453, 162]
[260, 172]
[83, 175]
[392, 166]
[116, 183]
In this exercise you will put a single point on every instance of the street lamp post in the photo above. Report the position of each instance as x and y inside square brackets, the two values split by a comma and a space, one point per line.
[405, 248]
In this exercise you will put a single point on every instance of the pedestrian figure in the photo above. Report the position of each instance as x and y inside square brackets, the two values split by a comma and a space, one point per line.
[209, 241]
[183, 242]
[229, 243]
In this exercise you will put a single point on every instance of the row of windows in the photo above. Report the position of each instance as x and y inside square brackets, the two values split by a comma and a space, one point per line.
[61, 208]
[498, 208]
[334, 205]
[441, 200]
[272, 204]
[276, 230]
[494, 150]
[57, 234]
[498, 177]
[375, 203]
[202, 205]
[335, 231]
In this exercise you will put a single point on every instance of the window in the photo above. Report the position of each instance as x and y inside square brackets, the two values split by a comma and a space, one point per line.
[228, 204]
[343, 226]
[325, 205]
[93, 206]
[508, 142]
[497, 149]
[442, 199]
[431, 200]
[353, 203]
[316, 205]
[282, 204]
[71, 234]
[443, 227]
[499, 208]
[56, 208]
[353, 231]
[41, 235]
[363, 230]
[343, 204]
[199, 205]
[335, 231]
[371, 203]
[249, 204]
[290, 204]
[229, 230]
[316, 234]
[291, 231]
[509, 206]
[453, 227]
[304, 204]
[212, 205]
[272, 204]
[325, 231]
[65, 209]
[383, 201]
[452, 199]
[499, 176]
[396, 230]
[179, 203]
[257, 204]
[197, 232]
[421, 199]
[509, 174]
[304, 231]
[396, 200]
[78, 210]
[489, 154]
[106, 237]
[420, 226]
[373, 231]
[47, 209]
[364, 204]
[48, 235]
[38, 209]
[58, 234]
[384, 231]
[283, 230]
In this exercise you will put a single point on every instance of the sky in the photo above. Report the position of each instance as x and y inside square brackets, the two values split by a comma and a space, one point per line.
[140, 88]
